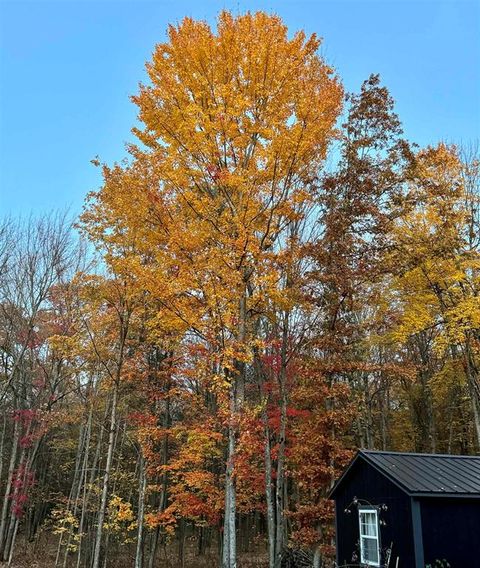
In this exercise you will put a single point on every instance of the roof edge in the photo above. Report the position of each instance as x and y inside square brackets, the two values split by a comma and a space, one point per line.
[342, 477]
[421, 454]
[363, 454]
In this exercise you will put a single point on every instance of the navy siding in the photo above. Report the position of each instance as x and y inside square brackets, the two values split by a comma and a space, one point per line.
[451, 531]
[366, 483]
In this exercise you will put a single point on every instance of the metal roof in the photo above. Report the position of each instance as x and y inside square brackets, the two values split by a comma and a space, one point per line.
[425, 474]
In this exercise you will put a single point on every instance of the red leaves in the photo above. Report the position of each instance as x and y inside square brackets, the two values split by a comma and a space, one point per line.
[24, 416]
[214, 172]
[27, 441]
[23, 480]
[320, 415]
[249, 464]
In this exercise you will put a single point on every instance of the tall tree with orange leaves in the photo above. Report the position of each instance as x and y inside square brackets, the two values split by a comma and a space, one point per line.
[235, 126]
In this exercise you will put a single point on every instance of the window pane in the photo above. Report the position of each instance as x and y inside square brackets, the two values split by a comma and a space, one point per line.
[369, 550]
[368, 524]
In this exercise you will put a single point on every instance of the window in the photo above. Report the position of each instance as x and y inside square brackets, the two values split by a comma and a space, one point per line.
[369, 538]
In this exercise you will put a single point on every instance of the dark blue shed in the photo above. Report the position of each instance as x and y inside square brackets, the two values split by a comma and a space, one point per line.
[404, 510]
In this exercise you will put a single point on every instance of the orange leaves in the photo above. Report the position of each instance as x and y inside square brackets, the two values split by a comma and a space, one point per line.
[248, 464]
[198, 445]
[236, 122]
[195, 491]
[235, 126]
[165, 519]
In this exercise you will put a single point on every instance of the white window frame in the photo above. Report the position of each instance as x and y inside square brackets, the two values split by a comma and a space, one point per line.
[376, 538]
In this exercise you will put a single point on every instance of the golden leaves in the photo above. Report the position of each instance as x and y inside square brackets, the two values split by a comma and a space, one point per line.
[436, 278]
[235, 125]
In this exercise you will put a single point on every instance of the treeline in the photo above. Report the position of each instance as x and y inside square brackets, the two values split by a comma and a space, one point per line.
[279, 278]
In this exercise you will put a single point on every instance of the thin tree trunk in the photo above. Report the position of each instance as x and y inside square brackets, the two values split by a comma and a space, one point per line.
[269, 494]
[269, 490]
[86, 493]
[106, 479]
[229, 527]
[2, 444]
[181, 543]
[71, 493]
[237, 395]
[280, 479]
[317, 558]
[166, 423]
[20, 482]
[142, 485]
[471, 383]
[8, 486]
[80, 482]
[473, 388]
[12, 546]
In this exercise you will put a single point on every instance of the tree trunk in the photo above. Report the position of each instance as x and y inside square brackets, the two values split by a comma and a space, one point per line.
[86, 493]
[2, 444]
[472, 381]
[269, 495]
[8, 486]
[73, 492]
[229, 526]
[142, 485]
[280, 480]
[19, 483]
[12, 545]
[166, 423]
[317, 558]
[237, 396]
[106, 478]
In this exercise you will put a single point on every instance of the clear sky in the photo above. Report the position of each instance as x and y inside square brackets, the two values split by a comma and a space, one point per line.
[67, 69]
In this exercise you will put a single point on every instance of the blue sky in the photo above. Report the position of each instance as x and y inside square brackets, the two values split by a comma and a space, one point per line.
[67, 69]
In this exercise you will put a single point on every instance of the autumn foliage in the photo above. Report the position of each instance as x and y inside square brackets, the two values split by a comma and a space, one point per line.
[279, 278]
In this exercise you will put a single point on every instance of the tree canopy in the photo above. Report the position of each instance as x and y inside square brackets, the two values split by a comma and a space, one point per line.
[280, 278]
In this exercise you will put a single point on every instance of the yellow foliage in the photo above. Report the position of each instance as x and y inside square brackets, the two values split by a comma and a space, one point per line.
[120, 519]
[436, 281]
[236, 123]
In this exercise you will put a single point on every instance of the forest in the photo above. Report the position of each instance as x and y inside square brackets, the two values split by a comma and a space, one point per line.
[272, 278]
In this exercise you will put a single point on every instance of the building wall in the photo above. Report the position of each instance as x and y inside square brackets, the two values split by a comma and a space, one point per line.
[366, 483]
[451, 531]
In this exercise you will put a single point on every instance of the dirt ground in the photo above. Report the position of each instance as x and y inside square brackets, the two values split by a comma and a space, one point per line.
[42, 555]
